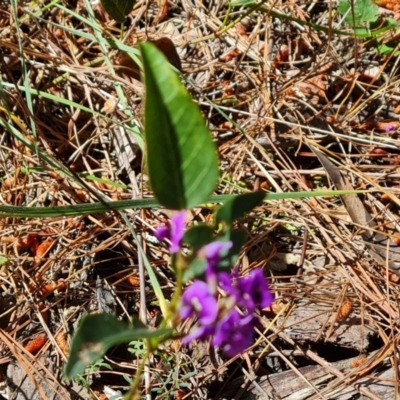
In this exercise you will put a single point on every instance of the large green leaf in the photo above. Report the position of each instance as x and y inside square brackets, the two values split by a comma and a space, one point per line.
[118, 9]
[96, 334]
[181, 157]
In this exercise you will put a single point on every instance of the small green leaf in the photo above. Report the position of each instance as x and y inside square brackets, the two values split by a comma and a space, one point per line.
[198, 236]
[118, 9]
[364, 11]
[96, 334]
[237, 207]
[4, 260]
[385, 49]
[181, 157]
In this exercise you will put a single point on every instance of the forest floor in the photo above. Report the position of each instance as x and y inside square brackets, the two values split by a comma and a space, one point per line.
[296, 100]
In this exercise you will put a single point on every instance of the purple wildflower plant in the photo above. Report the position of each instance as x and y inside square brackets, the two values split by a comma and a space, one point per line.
[231, 323]
[173, 232]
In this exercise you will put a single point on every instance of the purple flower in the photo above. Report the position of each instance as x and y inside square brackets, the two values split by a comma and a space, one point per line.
[228, 328]
[225, 327]
[234, 332]
[250, 292]
[241, 336]
[389, 127]
[197, 298]
[226, 283]
[173, 232]
[254, 291]
[212, 253]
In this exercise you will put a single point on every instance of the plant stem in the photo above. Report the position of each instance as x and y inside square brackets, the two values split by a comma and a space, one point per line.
[137, 204]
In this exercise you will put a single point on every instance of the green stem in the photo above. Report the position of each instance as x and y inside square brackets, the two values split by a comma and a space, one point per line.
[176, 262]
[133, 393]
[279, 15]
[96, 208]
[228, 13]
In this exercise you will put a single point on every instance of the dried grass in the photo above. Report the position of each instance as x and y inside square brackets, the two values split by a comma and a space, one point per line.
[269, 88]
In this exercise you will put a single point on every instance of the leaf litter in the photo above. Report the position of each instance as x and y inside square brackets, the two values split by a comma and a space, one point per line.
[272, 91]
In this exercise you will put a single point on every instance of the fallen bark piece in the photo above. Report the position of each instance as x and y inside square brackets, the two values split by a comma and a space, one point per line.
[289, 386]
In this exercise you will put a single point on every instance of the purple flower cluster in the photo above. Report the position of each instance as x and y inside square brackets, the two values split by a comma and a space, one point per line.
[229, 323]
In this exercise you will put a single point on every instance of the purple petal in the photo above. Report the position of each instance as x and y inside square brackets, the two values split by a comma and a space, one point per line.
[198, 333]
[241, 337]
[177, 231]
[196, 289]
[198, 298]
[254, 291]
[226, 283]
[173, 232]
[209, 310]
[162, 233]
[186, 311]
[234, 332]
[225, 327]
[212, 253]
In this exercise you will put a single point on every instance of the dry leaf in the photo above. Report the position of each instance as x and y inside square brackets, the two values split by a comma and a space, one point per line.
[345, 310]
[167, 47]
[131, 69]
[109, 106]
[36, 344]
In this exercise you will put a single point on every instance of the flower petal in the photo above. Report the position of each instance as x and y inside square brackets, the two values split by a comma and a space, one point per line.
[198, 333]
[212, 253]
[241, 336]
[225, 327]
[177, 231]
[198, 298]
[254, 291]
[173, 232]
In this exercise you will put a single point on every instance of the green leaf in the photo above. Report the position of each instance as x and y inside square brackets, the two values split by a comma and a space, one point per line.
[181, 157]
[364, 11]
[362, 32]
[4, 260]
[237, 207]
[198, 236]
[385, 49]
[96, 334]
[118, 9]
